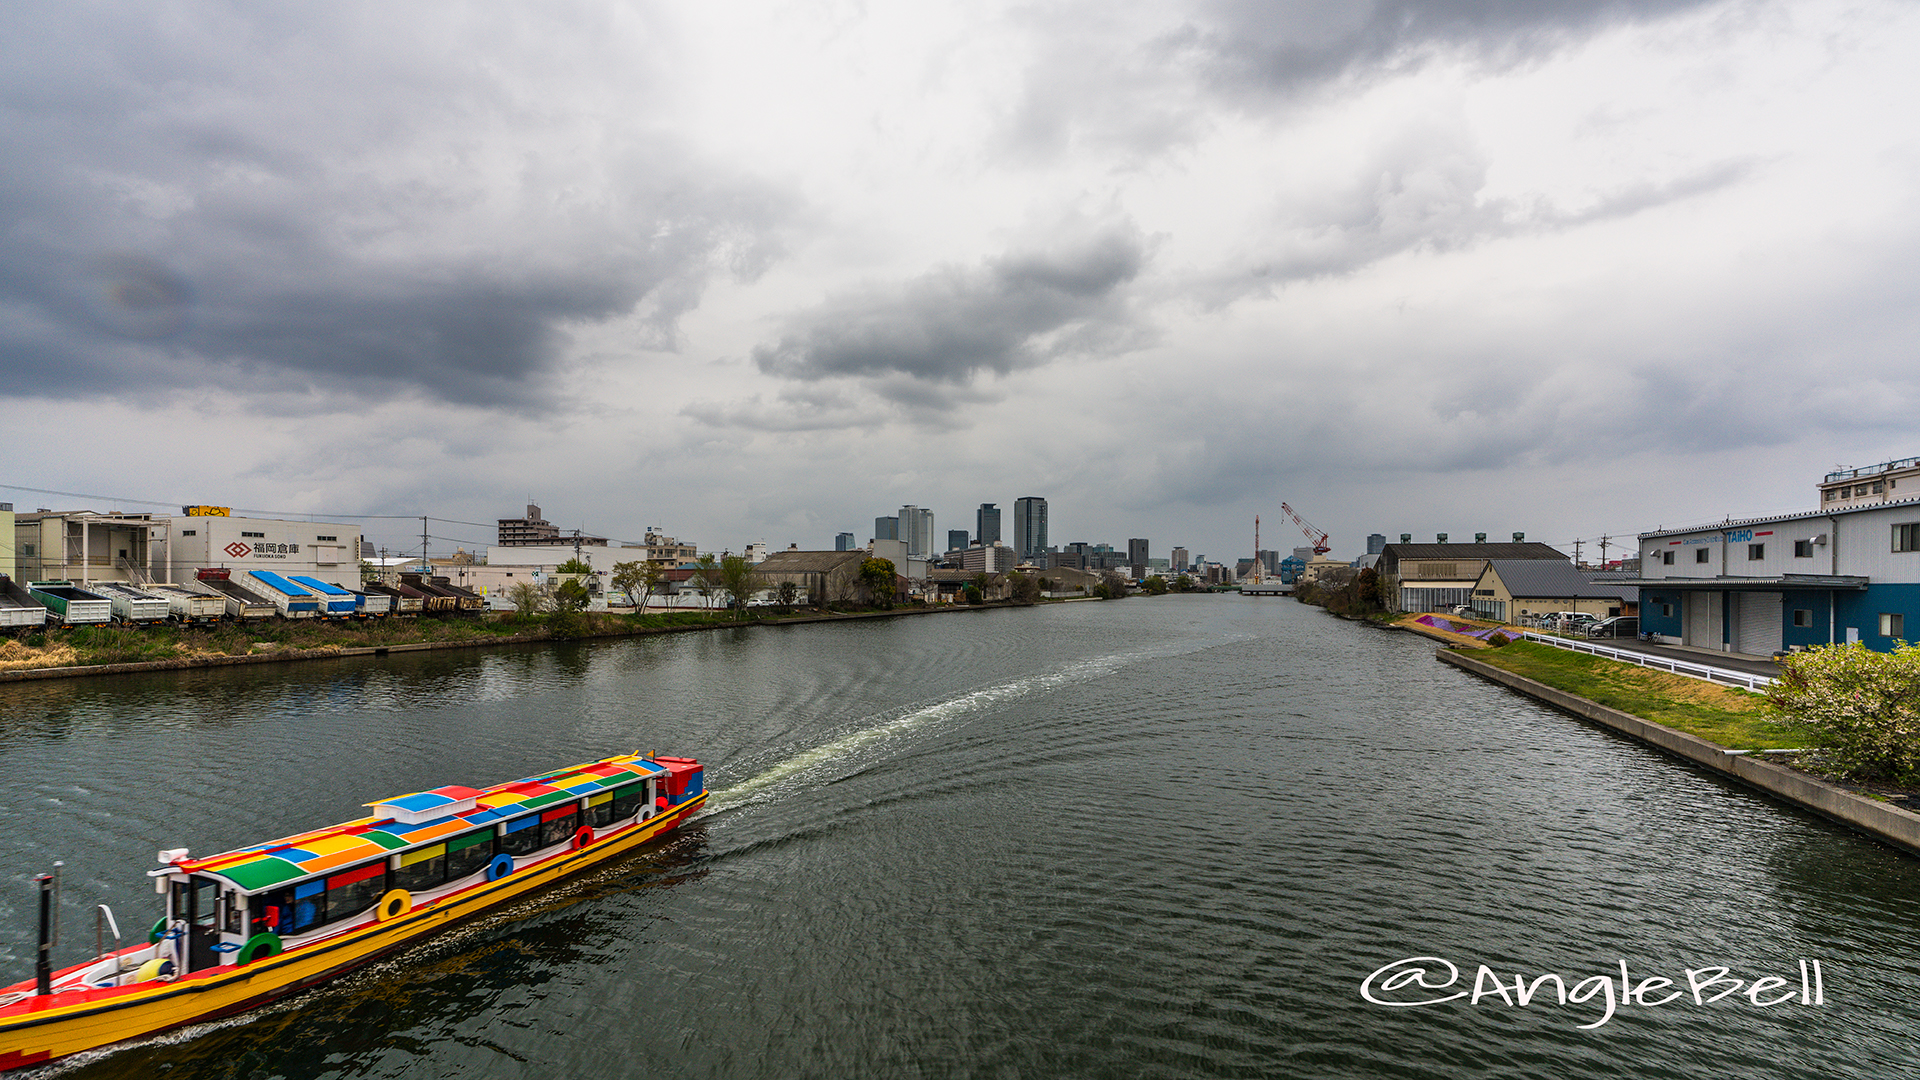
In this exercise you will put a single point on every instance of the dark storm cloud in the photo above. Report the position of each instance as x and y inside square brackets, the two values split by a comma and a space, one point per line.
[1255, 43]
[340, 198]
[1012, 312]
[1142, 87]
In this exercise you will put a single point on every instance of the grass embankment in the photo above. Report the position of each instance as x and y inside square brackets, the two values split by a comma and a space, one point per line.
[92, 646]
[1736, 719]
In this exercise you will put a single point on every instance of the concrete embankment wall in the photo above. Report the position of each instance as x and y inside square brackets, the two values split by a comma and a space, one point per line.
[1882, 821]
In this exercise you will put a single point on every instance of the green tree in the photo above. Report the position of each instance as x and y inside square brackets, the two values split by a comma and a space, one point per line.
[737, 580]
[637, 579]
[368, 572]
[526, 597]
[575, 565]
[1115, 585]
[1025, 588]
[570, 596]
[788, 593]
[971, 593]
[1863, 705]
[1155, 585]
[706, 577]
[877, 576]
[977, 591]
[1183, 583]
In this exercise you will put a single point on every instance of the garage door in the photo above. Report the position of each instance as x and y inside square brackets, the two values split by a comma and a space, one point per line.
[1702, 629]
[1757, 629]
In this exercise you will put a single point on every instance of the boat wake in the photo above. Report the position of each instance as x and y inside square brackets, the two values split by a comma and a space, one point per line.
[856, 747]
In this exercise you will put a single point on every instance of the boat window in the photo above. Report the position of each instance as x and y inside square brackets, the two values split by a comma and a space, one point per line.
[628, 800]
[236, 912]
[469, 854]
[204, 915]
[557, 825]
[303, 909]
[600, 810]
[521, 836]
[354, 891]
[421, 868]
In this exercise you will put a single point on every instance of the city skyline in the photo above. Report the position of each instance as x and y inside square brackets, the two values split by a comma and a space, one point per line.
[760, 273]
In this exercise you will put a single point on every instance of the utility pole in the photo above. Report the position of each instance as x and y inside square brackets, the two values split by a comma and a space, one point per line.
[428, 566]
[1576, 552]
[1603, 551]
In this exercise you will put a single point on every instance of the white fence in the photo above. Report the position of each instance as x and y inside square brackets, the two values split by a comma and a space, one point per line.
[1708, 672]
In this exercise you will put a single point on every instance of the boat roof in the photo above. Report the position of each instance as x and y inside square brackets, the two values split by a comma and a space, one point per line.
[310, 854]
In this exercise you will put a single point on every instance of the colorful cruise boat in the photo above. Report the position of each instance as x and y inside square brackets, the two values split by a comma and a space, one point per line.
[246, 926]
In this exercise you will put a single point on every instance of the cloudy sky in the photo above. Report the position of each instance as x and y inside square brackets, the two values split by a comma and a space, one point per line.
[767, 271]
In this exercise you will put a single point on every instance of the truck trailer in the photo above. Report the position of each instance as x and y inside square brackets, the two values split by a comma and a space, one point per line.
[70, 604]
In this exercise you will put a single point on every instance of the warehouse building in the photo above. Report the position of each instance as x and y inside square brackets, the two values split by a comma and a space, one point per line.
[1762, 585]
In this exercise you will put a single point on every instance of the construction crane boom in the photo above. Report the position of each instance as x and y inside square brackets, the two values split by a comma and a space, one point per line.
[1317, 537]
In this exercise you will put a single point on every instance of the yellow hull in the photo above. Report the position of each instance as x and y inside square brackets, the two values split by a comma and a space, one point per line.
[43, 1028]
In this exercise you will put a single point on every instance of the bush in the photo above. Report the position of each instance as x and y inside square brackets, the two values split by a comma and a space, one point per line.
[1865, 706]
[1498, 640]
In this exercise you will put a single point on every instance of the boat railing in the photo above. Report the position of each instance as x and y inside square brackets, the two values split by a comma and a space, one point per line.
[1726, 676]
[102, 919]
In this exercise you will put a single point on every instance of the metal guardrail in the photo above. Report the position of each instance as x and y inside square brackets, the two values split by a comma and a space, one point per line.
[1745, 679]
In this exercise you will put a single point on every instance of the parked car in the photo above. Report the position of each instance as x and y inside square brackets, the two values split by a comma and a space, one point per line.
[1618, 626]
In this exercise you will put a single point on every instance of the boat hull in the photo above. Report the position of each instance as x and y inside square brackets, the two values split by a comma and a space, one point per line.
[42, 1029]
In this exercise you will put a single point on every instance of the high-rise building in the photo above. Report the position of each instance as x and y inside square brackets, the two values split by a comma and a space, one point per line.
[1181, 560]
[916, 528]
[1136, 552]
[886, 528]
[986, 525]
[1029, 525]
[1376, 543]
[956, 539]
[843, 542]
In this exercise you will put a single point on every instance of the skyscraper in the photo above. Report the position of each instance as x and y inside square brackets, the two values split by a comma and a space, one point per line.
[916, 528]
[956, 539]
[1137, 553]
[843, 542]
[986, 525]
[886, 528]
[1029, 526]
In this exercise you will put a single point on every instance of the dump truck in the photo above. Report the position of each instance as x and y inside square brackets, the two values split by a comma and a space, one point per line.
[190, 605]
[70, 604]
[19, 611]
[290, 600]
[241, 602]
[131, 603]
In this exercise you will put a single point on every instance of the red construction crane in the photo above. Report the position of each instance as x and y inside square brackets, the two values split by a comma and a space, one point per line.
[1315, 536]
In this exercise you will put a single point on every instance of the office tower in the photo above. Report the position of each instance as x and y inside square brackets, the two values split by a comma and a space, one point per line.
[886, 528]
[1136, 552]
[956, 539]
[916, 528]
[986, 525]
[1029, 525]
[843, 542]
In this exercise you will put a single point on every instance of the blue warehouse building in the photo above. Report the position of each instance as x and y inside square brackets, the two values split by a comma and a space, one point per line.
[1764, 585]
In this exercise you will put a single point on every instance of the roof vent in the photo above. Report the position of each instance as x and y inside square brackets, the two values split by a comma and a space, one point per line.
[1439, 538]
[1479, 538]
[1406, 538]
[1519, 538]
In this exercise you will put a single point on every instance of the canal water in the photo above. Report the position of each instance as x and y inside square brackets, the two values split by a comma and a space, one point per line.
[1175, 837]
